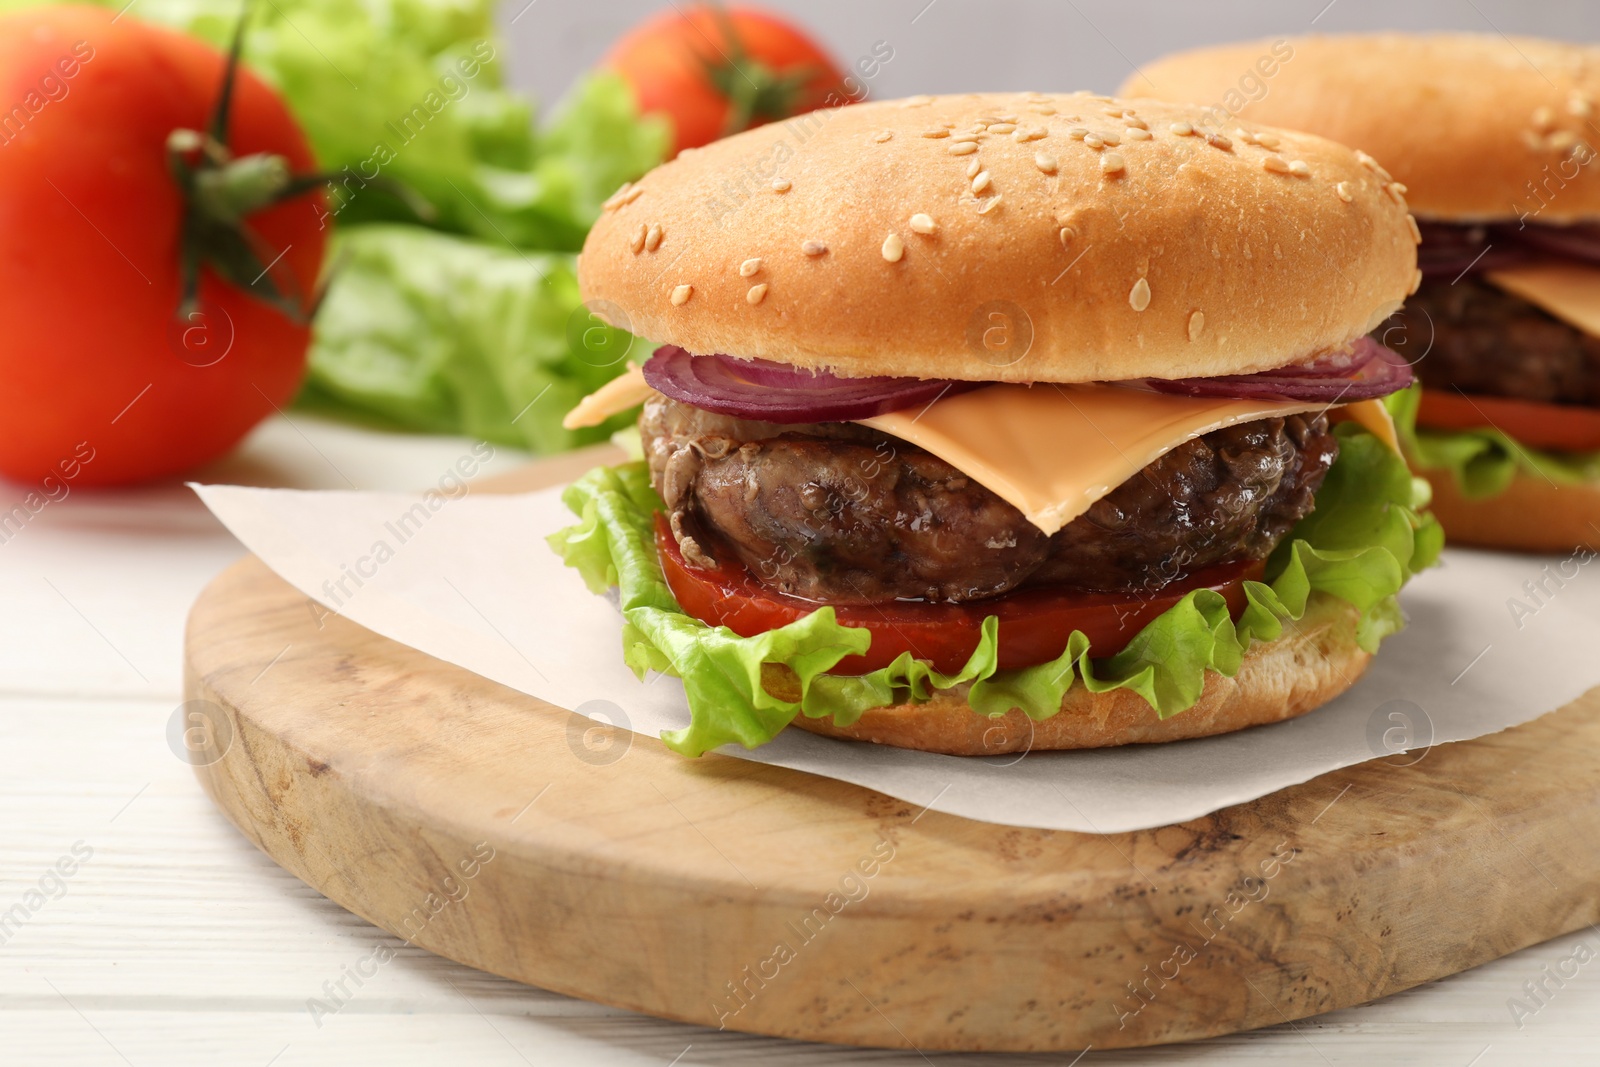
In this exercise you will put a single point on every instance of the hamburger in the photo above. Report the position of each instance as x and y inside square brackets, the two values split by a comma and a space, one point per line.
[1491, 140]
[996, 422]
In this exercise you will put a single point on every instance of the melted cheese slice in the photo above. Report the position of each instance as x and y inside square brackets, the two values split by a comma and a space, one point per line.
[1051, 451]
[627, 390]
[1569, 292]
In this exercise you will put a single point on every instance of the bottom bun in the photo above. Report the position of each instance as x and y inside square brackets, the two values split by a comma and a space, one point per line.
[1532, 515]
[1314, 661]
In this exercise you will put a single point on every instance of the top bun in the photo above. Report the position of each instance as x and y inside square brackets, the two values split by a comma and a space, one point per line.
[1478, 128]
[1080, 238]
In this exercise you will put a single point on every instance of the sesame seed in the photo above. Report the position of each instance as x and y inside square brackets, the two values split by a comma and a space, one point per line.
[1216, 140]
[989, 204]
[652, 237]
[973, 137]
[750, 267]
[1299, 168]
[1032, 133]
[1345, 191]
[1580, 107]
[921, 223]
[973, 168]
[1397, 191]
[1112, 112]
[1197, 325]
[782, 185]
[1268, 140]
[1042, 109]
[631, 195]
[1093, 141]
[1372, 165]
[1276, 164]
[636, 242]
[1135, 123]
[1006, 118]
[1001, 127]
[981, 182]
[1066, 235]
[681, 295]
[882, 136]
[1137, 134]
[1111, 138]
[1139, 295]
[1416, 231]
[1182, 129]
[756, 294]
[937, 131]
[916, 101]
[813, 248]
[1077, 133]
[1416, 283]
[1543, 119]
[893, 248]
[1245, 135]
[1111, 163]
[981, 126]
[963, 148]
[1045, 162]
[1562, 140]
[615, 199]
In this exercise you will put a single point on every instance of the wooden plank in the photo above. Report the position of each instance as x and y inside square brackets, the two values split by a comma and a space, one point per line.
[761, 899]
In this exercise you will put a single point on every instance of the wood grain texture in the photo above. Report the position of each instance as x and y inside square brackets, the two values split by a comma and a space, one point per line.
[630, 876]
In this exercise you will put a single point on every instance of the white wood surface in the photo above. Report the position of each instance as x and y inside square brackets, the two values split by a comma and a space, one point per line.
[178, 943]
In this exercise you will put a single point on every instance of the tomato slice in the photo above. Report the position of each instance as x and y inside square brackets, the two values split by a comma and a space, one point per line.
[1556, 427]
[1034, 623]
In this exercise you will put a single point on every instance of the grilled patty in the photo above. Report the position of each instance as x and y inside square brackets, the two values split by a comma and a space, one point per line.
[1486, 341]
[842, 514]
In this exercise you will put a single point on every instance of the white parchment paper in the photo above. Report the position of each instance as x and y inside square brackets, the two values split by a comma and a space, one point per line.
[471, 581]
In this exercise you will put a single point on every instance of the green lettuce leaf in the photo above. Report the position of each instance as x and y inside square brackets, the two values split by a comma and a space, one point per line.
[1364, 541]
[1483, 462]
[431, 331]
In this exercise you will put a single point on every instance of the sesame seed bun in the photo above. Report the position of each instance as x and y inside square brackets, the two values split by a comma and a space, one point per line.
[1532, 515]
[1464, 121]
[1314, 661]
[867, 240]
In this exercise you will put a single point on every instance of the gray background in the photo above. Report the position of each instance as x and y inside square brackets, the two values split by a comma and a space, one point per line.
[1045, 45]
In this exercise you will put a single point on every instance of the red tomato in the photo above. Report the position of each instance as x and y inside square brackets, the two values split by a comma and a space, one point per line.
[1034, 623]
[1556, 427]
[718, 72]
[98, 381]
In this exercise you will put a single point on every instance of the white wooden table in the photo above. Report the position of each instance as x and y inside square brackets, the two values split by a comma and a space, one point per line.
[175, 942]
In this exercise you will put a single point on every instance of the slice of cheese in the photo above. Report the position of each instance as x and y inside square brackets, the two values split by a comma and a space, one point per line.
[1566, 290]
[1051, 451]
[1374, 417]
[627, 390]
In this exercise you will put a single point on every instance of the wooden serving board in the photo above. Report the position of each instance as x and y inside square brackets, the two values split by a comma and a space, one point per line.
[518, 838]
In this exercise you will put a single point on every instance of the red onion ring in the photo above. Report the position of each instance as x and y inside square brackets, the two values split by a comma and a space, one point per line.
[1364, 372]
[776, 392]
[1580, 242]
[1451, 250]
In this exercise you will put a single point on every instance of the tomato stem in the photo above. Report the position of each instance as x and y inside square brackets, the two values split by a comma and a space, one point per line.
[220, 192]
[754, 91]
